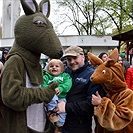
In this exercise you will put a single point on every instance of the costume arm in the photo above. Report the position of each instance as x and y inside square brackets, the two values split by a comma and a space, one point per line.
[45, 79]
[14, 93]
[117, 114]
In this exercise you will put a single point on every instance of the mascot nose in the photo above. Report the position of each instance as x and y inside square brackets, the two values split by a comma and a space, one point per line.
[60, 53]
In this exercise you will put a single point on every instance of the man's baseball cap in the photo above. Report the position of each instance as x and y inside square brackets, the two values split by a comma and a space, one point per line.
[73, 51]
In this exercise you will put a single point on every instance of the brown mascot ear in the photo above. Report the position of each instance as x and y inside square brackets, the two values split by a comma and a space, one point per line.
[94, 59]
[112, 58]
[114, 55]
[109, 63]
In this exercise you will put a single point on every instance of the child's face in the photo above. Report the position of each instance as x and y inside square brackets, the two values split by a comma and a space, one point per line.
[54, 68]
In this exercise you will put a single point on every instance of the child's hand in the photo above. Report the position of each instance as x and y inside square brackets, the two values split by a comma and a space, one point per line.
[57, 91]
[96, 99]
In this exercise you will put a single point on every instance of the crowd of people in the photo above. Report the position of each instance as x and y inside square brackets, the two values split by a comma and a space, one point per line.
[77, 104]
[71, 109]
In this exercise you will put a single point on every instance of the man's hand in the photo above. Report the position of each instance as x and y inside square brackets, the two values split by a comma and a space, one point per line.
[96, 99]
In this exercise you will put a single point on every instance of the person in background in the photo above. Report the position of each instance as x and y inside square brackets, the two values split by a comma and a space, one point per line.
[120, 60]
[48, 60]
[129, 76]
[123, 63]
[42, 64]
[55, 73]
[1, 68]
[103, 56]
[131, 53]
[64, 61]
[78, 106]
[4, 55]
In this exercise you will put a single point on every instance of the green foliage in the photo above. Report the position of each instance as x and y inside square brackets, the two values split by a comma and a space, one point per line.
[120, 12]
[125, 29]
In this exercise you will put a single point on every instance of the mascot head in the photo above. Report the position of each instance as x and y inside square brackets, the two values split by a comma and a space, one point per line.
[110, 73]
[34, 32]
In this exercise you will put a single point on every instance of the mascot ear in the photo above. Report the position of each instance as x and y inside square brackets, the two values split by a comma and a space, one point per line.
[109, 63]
[45, 7]
[94, 59]
[114, 55]
[112, 58]
[29, 6]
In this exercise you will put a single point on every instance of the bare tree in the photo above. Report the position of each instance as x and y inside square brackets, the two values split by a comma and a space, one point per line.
[81, 15]
[96, 16]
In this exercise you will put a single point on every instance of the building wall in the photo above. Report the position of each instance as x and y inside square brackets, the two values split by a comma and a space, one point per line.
[95, 44]
[87, 40]
[11, 12]
[98, 50]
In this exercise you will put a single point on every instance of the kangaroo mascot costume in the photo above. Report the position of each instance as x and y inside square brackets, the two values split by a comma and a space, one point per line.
[22, 98]
[115, 112]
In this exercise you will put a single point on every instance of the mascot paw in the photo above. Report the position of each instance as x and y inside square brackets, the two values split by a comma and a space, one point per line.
[53, 85]
[50, 92]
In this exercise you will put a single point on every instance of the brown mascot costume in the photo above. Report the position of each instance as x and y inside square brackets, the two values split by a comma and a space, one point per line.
[22, 98]
[115, 112]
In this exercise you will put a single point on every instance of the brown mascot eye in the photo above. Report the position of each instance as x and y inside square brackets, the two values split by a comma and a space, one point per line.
[39, 23]
[103, 71]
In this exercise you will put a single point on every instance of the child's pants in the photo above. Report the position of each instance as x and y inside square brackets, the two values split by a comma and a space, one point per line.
[52, 105]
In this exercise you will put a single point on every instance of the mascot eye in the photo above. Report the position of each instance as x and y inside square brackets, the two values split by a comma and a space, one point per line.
[39, 23]
[103, 71]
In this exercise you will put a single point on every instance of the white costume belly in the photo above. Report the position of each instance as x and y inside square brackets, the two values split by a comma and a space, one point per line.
[36, 117]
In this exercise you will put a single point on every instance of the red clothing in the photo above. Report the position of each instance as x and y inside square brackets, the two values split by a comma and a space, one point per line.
[129, 78]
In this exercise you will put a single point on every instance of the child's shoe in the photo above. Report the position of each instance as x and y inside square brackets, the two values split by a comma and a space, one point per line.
[53, 116]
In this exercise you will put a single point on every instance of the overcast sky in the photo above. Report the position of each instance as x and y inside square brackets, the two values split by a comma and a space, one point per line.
[53, 19]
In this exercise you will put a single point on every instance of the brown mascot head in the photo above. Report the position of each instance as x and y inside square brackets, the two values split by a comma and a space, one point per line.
[109, 73]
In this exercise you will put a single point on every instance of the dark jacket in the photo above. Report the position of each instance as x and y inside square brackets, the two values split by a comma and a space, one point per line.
[79, 108]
